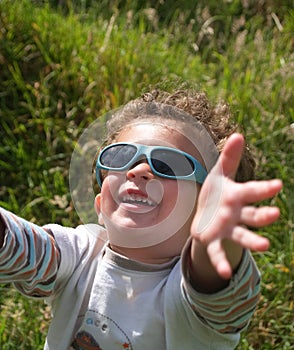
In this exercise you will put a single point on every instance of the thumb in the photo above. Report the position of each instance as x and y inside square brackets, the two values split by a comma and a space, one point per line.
[229, 159]
[210, 197]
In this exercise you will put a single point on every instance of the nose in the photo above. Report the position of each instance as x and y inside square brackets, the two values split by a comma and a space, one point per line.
[140, 170]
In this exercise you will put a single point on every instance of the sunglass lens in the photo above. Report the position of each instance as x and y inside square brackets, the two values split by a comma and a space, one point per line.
[172, 163]
[162, 167]
[117, 156]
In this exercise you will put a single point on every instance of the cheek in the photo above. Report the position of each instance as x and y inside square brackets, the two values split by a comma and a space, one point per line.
[109, 191]
[180, 199]
[190, 196]
[191, 193]
[170, 195]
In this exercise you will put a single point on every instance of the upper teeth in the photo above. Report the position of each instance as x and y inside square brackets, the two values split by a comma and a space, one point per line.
[137, 198]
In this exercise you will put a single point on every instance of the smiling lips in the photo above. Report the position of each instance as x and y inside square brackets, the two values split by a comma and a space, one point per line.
[137, 197]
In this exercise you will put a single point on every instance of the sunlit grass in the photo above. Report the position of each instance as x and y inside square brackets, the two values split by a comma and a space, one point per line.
[60, 70]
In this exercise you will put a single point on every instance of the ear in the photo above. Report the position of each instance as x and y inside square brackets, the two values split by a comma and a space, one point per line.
[97, 205]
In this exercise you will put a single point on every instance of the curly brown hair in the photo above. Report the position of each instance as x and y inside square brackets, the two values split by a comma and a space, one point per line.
[161, 105]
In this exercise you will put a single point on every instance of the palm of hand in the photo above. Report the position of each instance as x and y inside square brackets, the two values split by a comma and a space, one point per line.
[226, 209]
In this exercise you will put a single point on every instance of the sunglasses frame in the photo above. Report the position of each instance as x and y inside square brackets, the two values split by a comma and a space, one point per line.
[199, 173]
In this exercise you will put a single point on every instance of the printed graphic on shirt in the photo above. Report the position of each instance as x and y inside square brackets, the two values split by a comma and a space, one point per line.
[99, 332]
[84, 341]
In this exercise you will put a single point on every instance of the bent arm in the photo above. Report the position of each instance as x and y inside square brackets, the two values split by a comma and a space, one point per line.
[204, 277]
[229, 309]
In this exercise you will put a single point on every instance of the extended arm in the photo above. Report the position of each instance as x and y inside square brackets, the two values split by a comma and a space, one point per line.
[2, 232]
[219, 230]
[29, 257]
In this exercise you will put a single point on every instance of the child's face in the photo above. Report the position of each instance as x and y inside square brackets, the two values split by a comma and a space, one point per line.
[140, 209]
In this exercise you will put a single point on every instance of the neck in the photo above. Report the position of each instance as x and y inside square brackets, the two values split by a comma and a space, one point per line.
[148, 255]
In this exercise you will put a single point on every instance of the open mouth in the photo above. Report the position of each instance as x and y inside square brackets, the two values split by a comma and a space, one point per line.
[137, 199]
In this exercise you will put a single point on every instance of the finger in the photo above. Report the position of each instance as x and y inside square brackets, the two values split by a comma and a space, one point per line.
[254, 191]
[249, 240]
[230, 157]
[259, 217]
[218, 259]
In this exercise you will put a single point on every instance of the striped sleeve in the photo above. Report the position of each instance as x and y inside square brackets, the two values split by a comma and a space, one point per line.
[229, 310]
[29, 257]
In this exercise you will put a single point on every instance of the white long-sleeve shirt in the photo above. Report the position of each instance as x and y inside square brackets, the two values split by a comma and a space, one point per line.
[102, 300]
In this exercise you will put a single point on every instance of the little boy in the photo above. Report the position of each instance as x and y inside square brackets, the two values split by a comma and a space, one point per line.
[169, 266]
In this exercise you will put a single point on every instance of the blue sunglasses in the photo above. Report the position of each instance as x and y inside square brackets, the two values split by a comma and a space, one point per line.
[166, 162]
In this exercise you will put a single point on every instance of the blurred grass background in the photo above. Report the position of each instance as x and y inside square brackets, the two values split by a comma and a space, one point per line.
[65, 63]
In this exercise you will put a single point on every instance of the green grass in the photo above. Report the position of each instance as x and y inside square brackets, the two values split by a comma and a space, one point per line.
[63, 66]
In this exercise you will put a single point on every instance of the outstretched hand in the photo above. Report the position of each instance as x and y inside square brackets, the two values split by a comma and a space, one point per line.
[226, 210]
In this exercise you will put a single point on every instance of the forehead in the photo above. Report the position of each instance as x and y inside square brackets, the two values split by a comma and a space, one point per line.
[148, 132]
[158, 134]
